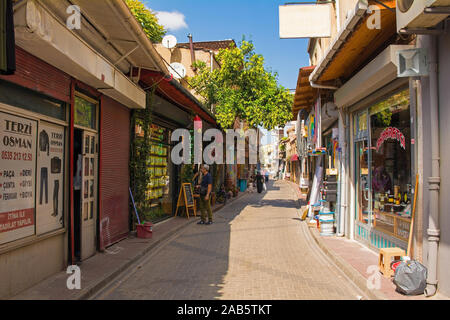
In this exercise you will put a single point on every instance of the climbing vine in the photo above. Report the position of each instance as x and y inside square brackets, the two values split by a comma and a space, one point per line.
[140, 154]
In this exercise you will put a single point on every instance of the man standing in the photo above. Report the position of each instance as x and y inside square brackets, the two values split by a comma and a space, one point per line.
[205, 192]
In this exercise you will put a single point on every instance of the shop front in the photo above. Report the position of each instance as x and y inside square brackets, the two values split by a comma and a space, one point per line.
[382, 153]
[34, 174]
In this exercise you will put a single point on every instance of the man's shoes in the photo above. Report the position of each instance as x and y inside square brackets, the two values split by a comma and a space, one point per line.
[201, 222]
[209, 223]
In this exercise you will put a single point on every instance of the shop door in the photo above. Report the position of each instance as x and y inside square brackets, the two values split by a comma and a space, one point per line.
[89, 195]
[363, 183]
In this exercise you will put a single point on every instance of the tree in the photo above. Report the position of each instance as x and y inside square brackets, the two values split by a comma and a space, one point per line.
[242, 88]
[147, 19]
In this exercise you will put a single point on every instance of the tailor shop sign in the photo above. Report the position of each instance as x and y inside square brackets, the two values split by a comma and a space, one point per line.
[391, 133]
[17, 177]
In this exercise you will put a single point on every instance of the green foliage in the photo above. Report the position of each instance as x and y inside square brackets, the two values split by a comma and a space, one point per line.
[187, 173]
[147, 19]
[140, 156]
[243, 88]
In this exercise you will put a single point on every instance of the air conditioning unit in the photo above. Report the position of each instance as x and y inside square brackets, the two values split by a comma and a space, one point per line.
[421, 14]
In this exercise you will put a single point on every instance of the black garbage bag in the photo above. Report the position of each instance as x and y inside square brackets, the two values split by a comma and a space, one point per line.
[410, 278]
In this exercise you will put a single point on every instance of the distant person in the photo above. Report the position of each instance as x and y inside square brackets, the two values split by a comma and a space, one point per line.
[259, 182]
[205, 193]
[267, 176]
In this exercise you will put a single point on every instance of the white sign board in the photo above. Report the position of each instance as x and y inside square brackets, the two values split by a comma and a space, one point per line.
[17, 177]
[305, 21]
[50, 178]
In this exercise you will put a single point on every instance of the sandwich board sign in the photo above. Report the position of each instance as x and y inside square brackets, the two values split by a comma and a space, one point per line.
[186, 199]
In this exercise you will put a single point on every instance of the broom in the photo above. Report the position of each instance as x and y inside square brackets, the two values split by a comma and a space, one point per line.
[411, 228]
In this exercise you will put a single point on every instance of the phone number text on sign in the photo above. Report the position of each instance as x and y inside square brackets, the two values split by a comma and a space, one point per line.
[17, 156]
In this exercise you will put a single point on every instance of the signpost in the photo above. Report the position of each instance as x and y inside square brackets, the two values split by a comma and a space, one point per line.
[186, 199]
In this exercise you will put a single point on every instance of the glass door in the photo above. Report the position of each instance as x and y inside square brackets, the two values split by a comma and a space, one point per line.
[363, 158]
[364, 195]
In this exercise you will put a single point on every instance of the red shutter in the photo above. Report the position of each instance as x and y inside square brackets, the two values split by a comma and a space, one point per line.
[114, 172]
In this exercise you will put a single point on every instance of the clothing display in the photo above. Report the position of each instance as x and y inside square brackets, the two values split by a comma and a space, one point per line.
[55, 165]
[77, 178]
[44, 144]
[55, 198]
[44, 180]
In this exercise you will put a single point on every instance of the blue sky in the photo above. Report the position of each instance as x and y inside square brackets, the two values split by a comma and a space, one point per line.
[231, 19]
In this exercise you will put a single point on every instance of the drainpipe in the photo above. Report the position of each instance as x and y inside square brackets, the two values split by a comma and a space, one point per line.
[191, 46]
[433, 181]
[349, 192]
[342, 174]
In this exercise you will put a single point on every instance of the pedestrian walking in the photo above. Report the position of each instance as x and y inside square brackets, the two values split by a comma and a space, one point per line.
[205, 193]
[259, 182]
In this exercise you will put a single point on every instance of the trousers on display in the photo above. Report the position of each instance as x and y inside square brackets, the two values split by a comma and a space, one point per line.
[44, 180]
[55, 198]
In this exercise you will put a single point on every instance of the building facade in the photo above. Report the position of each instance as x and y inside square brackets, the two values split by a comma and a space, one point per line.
[387, 130]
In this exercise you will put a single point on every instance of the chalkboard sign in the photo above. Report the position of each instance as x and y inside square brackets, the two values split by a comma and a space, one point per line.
[188, 193]
[186, 199]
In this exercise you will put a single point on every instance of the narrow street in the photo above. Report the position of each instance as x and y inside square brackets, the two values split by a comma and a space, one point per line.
[256, 249]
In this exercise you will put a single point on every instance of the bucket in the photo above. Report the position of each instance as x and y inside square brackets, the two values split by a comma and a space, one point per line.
[144, 231]
[326, 224]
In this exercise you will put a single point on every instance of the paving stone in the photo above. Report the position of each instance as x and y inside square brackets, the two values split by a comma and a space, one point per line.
[256, 250]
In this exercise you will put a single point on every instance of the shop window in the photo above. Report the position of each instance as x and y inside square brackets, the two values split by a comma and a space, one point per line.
[85, 114]
[30, 100]
[383, 165]
[391, 164]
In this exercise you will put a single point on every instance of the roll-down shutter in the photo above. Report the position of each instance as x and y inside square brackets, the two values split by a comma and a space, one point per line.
[114, 175]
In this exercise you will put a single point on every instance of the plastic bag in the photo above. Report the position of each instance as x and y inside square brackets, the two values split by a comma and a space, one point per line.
[411, 278]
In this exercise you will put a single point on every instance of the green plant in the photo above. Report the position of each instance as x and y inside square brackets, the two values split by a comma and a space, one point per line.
[242, 88]
[140, 155]
[147, 19]
[187, 173]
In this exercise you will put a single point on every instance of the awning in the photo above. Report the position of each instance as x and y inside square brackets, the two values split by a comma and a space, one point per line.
[41, 34]
[174, 92]
[304, 93]
[356, 43]
[376, 74]
[294, 157]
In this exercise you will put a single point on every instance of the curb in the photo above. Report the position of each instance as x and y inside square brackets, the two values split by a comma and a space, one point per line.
[103, 282]
[93, 289]
[348, 270]
[344, 266]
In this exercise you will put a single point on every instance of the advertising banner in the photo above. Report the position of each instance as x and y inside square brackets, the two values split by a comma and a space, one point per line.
[17, 177]
[50, 178]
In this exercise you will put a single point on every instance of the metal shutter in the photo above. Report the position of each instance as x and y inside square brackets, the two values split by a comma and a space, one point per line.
[114, 172]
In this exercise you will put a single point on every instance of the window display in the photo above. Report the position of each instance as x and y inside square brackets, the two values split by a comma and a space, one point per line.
[383, 165]
[158, 188]
[391, 164]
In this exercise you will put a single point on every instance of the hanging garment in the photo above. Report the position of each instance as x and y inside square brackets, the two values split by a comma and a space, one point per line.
[44, 144]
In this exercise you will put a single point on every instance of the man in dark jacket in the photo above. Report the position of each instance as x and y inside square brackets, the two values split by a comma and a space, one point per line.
[205, 193]
[259, 181]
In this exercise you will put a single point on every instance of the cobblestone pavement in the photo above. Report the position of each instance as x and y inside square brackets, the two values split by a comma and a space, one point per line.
[256, 249]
